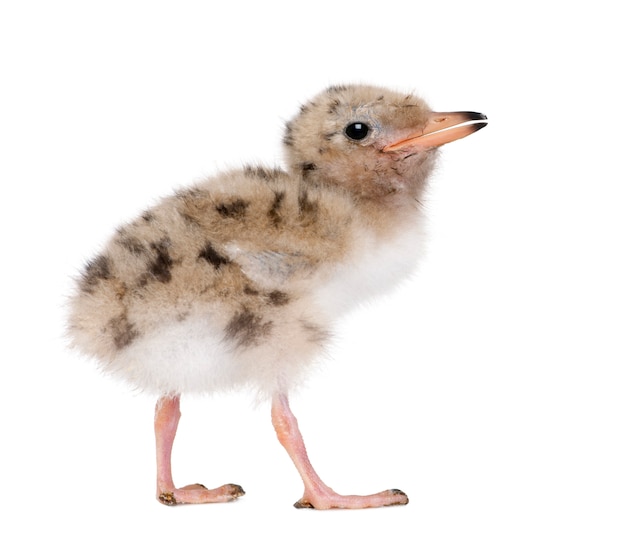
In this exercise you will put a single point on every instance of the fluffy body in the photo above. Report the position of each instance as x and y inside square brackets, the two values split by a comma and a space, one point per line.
[238, 280]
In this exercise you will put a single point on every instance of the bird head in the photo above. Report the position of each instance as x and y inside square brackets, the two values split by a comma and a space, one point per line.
[377, 144]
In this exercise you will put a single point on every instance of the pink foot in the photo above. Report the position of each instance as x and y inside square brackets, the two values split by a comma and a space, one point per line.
[166, 420]
[200, 494]
[316, 494]
[331, 500]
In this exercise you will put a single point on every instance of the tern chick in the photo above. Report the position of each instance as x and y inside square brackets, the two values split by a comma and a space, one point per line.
[236, 281]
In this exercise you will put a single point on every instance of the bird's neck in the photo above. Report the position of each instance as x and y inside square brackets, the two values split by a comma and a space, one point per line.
[391, 215]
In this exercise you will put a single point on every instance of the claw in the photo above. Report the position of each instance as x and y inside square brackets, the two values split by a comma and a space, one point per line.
[236, 491]
[398, 492]
[167, 498]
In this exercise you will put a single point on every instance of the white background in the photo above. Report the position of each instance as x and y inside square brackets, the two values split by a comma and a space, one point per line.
[490, 388]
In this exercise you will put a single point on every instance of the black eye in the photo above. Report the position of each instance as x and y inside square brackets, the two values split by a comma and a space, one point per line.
[357, 131]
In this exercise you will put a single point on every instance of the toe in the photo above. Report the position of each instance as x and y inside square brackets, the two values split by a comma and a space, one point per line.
[235, 491]
[400, 498]
[198, 493]
[167, 498]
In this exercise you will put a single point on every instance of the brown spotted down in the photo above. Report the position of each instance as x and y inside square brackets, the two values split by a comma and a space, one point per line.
[274, 210]
[234, 210]
[246, 328]
[95, 271]
[161, 264]
[214, 258]
[122, 330]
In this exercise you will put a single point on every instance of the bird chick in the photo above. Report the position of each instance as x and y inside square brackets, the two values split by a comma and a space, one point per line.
[236, 281]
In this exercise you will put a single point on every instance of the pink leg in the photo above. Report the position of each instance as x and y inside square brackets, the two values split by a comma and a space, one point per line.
[316, 494]
[166, 420]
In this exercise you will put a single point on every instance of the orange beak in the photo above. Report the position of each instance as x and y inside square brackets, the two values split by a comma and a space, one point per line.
[441, 128]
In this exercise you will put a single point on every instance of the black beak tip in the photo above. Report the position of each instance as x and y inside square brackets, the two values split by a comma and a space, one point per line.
[478, 126]
[474, 116]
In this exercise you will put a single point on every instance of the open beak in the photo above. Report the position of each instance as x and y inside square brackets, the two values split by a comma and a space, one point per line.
[441, 128]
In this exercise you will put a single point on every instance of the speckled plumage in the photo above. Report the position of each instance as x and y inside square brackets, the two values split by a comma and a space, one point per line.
[237, 280]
